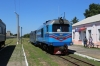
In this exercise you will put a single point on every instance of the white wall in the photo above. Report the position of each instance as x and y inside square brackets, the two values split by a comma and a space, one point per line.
[94, 33]
[76, 38]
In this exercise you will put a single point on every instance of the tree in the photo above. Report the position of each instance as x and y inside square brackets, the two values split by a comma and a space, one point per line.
[11, 34]
[93, 9]
[14, 34]
[26, 35]
[74, 20]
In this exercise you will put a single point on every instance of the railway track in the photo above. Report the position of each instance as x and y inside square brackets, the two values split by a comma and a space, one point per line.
[73, 60]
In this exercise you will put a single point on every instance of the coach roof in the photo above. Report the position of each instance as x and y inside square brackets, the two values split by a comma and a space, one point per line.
[2, 22]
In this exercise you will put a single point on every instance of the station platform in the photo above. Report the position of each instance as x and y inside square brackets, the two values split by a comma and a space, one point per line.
[90, 53]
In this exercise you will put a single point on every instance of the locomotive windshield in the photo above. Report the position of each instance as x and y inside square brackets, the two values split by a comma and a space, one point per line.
[62, 27]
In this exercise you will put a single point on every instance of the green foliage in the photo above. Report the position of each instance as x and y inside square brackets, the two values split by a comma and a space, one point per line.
[11, 34]
[93, 9]
[14, 34]
[26, 35]
[74, 20]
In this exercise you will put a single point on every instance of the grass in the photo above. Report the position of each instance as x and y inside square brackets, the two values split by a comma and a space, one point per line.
[84, 59]
[36, 56]
[11, 41]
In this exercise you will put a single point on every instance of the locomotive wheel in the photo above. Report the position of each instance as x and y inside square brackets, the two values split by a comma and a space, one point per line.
[30, 42]
[51, 49]
[66, 50]
[40, 45]
[44, 47]
[47, 49]
[4, 43]
[0, 45]
[35, 44]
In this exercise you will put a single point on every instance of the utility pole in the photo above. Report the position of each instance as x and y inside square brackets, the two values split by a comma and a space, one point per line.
[19, 32]
[17, 27]
[21, 35]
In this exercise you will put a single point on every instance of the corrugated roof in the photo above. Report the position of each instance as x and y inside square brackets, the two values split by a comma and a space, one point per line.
[88, 20]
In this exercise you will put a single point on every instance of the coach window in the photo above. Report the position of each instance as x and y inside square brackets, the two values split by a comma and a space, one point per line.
[32, 33]
[0, 30]
[4, 31]
[42, 32]
[47, 28]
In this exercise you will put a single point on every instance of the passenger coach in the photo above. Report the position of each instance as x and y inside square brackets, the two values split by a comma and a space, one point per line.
[2, 33]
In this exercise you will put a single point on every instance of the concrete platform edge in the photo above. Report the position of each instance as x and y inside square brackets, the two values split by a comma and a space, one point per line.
[85, 56]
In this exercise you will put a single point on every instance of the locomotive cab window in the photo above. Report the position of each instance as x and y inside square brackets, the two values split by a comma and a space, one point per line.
[60, 27]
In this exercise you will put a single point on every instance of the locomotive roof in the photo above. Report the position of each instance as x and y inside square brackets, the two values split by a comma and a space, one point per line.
[54, 21]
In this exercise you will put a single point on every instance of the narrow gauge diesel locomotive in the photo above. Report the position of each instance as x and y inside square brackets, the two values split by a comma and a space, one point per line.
[2, 33]
[53, 36]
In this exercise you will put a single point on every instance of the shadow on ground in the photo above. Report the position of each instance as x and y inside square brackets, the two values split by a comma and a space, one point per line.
[5, 54]
[71, 51]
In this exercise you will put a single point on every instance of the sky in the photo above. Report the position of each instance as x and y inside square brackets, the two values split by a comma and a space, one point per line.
[33, 13]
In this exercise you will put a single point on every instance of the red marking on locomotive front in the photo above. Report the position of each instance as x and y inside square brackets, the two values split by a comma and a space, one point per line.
[57, 38]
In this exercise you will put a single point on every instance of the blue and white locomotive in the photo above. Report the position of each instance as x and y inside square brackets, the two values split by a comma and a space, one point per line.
[54, 36]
